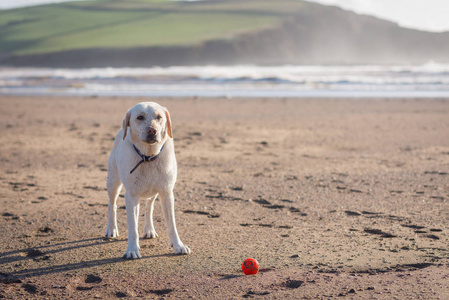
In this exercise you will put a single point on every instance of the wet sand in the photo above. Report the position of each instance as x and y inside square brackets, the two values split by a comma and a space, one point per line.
[333, 197]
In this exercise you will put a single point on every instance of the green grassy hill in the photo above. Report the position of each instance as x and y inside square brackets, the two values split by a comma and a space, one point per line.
[142, 33]
[131, 23]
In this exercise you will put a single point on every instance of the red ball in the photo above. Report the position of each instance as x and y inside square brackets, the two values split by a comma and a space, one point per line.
[250, 266]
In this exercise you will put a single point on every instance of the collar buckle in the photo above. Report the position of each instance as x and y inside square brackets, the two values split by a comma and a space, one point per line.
[144, 157]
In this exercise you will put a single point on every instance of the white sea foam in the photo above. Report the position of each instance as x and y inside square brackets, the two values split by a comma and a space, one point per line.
[431, 80]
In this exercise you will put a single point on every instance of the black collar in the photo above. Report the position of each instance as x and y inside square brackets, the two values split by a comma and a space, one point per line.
[144, 157]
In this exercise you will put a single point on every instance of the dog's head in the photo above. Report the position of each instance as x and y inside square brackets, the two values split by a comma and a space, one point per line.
[148, 122]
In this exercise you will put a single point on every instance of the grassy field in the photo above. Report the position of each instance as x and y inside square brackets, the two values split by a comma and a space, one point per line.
[133, 23]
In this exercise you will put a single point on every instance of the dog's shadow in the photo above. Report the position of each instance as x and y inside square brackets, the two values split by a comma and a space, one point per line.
[18, 258]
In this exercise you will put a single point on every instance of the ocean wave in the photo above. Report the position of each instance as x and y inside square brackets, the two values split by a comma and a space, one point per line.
[272, 80]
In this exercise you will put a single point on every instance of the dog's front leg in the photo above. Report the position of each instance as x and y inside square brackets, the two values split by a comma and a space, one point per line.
[167, 202]
[132, 215]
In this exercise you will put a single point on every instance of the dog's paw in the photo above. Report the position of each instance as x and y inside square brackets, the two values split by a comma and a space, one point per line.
[132, 254]
[150, 234]
[181, 249]
[112, 232]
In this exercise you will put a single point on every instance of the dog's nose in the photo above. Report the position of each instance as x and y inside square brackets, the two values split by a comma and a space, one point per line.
[151, 131]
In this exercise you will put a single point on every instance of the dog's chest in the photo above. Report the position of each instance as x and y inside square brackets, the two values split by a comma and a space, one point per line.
[148, 179]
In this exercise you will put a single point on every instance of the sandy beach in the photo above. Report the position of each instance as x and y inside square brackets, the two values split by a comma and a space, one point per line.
[334, 197]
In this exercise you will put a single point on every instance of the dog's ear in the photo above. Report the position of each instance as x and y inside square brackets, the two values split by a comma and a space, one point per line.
[126, 123]
[168, 124]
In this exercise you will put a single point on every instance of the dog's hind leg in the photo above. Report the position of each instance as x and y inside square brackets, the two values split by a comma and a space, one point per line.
[148, 228]
[114, 187]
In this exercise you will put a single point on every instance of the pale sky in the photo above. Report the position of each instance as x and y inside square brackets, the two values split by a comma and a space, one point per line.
[430, 15]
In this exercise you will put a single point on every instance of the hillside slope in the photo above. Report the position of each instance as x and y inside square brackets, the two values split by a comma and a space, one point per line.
[138, 33]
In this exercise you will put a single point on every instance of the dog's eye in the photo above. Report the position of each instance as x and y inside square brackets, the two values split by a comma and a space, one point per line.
[158, 117]
[140, 118]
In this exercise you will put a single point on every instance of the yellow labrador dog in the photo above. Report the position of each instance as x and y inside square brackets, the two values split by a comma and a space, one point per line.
[143, 160]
